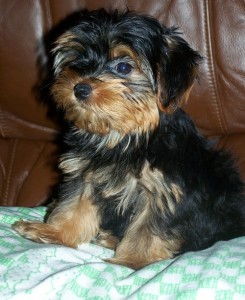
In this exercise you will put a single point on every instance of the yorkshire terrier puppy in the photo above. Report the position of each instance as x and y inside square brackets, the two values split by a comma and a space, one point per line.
[137, 175]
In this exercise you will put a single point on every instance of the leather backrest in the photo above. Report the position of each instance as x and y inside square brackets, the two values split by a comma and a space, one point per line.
[28, 127]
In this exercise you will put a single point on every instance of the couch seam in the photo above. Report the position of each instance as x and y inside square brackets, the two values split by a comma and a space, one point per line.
[32, 167]
[48, 13]
[9, 173]
[211, 67]
[2, 123]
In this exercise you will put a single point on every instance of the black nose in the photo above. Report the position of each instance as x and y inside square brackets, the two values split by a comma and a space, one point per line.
[82, 91]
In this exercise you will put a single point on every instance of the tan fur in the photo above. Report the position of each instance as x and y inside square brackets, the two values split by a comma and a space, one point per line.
[154, 182]
[124, 51]
[65, 41]
[72, 165]
[70, 224]
[177, 192]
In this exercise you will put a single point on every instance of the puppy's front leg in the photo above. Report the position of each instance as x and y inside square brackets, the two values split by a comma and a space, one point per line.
[72, 222]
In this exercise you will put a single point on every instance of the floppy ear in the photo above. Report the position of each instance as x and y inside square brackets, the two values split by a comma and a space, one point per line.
[177, 71]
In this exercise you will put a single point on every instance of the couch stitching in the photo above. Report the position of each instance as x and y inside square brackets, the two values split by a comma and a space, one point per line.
[33, 166]
[10, 172]
[211, 66]
[2, 123]
[48, 13]
[218, 92]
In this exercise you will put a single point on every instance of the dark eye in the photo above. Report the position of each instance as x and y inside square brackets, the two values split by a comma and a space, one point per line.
[123, 68]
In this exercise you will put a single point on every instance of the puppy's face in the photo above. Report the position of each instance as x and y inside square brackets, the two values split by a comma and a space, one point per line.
[115, 72]
[115, 95]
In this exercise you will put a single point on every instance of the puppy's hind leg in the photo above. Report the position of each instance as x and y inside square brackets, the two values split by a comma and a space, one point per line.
[140, 247]
[71, 223]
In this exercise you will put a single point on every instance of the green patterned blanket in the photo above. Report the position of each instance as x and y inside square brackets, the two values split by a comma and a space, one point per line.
[36, 271]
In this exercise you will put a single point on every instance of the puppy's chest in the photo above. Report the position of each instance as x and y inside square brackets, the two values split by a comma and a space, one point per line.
[123, 185]
[149, 187]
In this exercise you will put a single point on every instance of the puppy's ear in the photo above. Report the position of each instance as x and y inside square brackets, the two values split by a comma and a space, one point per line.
[177, 71]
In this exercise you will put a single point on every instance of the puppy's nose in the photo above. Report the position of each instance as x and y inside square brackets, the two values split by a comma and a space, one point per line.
[82, 91]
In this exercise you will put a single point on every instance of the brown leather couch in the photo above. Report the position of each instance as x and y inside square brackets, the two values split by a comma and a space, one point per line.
[28, 131]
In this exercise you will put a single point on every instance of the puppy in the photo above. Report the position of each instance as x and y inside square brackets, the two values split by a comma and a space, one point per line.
[137, 176]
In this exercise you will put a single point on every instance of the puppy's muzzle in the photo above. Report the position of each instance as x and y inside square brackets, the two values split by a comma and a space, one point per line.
[82, 91]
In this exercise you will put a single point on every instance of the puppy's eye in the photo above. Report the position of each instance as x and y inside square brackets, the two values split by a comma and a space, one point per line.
[123, 68]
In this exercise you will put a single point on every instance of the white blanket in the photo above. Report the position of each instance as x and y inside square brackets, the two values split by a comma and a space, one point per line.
[29, 270]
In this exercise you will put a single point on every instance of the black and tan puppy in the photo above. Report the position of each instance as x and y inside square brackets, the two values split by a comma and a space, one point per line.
[137, 175]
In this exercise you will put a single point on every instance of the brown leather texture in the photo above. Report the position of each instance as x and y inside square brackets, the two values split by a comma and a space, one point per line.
[28, 147]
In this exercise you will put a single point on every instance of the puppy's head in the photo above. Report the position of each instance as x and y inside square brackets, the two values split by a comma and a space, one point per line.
[114, 72]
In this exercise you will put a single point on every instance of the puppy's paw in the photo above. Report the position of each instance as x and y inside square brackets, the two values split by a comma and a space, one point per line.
[35, 231]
